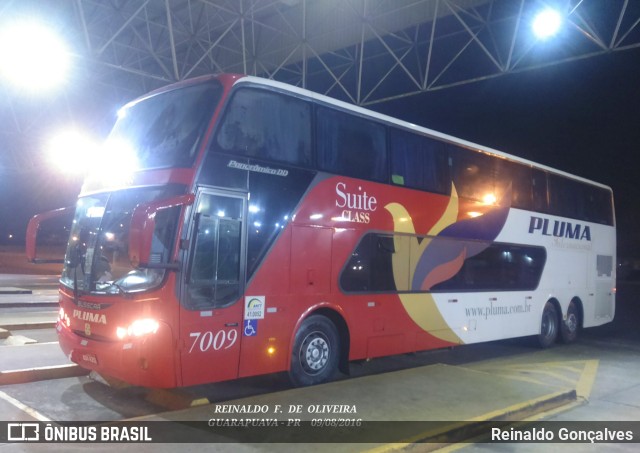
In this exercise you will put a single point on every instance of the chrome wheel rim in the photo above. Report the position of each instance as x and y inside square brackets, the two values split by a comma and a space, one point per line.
[314, 353]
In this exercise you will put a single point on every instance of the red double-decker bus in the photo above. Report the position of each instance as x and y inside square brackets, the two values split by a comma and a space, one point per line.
[243, 226]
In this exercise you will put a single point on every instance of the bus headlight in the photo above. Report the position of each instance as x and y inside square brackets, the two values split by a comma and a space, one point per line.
[138, 328]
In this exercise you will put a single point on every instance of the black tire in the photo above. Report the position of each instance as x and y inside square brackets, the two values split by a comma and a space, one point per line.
[549, 326]
[571, 325]
[315, 354]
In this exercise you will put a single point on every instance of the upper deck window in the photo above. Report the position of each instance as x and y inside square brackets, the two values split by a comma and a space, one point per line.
[266, 125]
[351, 145]
[419, 162]
[164, 130]
[571, 198]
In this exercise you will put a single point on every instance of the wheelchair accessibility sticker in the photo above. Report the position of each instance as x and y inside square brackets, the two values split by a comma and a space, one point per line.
[250, 327]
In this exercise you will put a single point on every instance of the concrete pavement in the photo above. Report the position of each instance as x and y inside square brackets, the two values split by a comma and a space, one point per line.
[429, 393]
[24, 308]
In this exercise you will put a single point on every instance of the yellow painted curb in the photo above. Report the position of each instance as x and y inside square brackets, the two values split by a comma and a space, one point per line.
[470, 428]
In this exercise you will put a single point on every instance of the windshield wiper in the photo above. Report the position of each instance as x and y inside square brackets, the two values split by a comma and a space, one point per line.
[114, 285]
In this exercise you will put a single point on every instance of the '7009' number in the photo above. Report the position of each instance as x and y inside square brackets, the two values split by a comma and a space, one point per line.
[222, 339]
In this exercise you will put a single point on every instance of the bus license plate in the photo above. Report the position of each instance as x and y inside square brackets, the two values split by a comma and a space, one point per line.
[89, 358]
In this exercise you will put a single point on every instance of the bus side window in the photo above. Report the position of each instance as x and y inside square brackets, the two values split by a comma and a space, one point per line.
[500, 267]
[599, 205]
[539, 191]
[370, 266]
[475, 176]
[566, 197]
[575, 199]
[519, 177]
[350, 145]
[418, 162]
[266, 125]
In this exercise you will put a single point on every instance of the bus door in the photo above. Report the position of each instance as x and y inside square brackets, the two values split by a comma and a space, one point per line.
[211, 315]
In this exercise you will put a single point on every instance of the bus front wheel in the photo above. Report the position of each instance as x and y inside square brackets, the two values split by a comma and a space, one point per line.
[548, 326]
[315, 352]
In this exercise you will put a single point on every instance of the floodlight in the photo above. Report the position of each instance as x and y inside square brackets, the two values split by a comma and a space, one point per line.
[547, 23]
[71, 151]
[32, 56]
[114, 164]
[118, 156]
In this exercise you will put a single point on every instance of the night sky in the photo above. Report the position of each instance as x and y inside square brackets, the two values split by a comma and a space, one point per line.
[582, 117]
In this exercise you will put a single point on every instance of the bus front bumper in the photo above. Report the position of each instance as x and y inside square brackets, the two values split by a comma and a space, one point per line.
[147, 362]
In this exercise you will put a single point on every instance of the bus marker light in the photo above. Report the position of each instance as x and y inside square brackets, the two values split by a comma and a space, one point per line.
[489, 199]
[64, 319]
[271, 350]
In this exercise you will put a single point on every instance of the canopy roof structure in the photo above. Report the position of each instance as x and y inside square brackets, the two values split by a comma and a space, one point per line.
[360, 51]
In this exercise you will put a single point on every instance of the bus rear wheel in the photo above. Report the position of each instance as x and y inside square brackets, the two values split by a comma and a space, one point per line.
[548, 326]
[570, 326]
[315, 352]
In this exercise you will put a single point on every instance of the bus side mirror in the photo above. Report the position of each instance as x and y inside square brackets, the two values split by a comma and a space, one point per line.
[32, 233]
[142, 229]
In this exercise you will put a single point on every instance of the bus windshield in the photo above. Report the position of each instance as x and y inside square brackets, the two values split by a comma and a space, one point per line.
[165, 129]
[97, 258]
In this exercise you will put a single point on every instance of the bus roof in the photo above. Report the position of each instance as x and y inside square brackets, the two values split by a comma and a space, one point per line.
[414, 127]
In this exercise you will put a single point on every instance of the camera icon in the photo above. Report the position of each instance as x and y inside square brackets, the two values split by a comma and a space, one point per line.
[23, 432]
